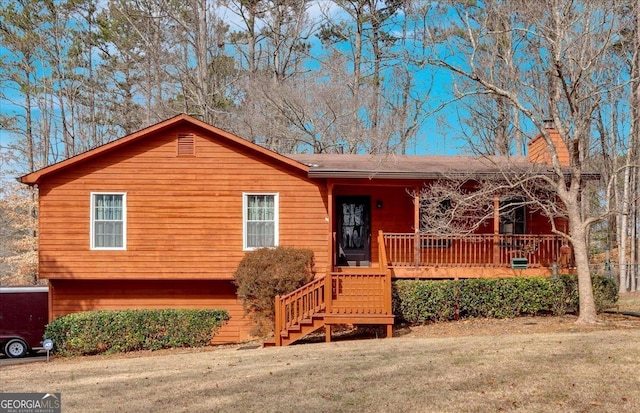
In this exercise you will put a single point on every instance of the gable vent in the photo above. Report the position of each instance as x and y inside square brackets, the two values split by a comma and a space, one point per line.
[186, 145]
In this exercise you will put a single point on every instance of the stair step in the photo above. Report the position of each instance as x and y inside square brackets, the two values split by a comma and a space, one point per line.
[296, 328]
[270, 342]
[293, 329]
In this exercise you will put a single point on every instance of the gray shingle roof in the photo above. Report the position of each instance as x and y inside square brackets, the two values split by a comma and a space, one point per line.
[410, 167]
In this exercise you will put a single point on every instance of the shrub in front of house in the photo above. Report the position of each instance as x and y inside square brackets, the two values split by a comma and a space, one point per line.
[429, 301]
[509, 297]
[95, 332]
[264, 273]
[605, 292]
[421, 301]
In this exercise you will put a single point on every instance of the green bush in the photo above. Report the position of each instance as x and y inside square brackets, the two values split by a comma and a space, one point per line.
[262, 274]
[508, 297]
[424, 301]
[95, 332]
[605, 292]
[420, 301]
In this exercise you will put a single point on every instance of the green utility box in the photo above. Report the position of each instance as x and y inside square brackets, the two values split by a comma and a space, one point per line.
[519, 263]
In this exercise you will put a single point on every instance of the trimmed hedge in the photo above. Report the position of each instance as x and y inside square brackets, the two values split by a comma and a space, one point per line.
[424, 301]
[94, 332]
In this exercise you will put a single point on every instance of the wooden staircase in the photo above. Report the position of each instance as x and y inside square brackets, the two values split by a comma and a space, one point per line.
[337, 298]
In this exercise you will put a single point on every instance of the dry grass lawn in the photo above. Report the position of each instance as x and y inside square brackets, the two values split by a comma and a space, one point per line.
[530, 365]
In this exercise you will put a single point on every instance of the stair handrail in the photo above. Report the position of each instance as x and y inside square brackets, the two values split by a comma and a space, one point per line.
[299, 305]
[384, 266]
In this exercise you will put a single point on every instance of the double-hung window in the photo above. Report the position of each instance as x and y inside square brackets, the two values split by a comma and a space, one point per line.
[108, 221]
[260, 220]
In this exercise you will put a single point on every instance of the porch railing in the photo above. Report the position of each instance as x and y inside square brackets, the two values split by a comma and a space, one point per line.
[360, 294]
[485, 250]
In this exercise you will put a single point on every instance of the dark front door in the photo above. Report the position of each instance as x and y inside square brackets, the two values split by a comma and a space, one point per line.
[353, 235]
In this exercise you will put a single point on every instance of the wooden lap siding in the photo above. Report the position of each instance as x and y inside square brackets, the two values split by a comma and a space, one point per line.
[72, 296]
[184, 213]
[184, 225]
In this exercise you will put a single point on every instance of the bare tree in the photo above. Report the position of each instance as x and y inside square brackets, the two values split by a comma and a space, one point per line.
[627, 231]
[361, 95]
[287, 29]
[274, 46]
[246, 39]
[19, 35]
[364, 35]
[565, 45]
[18, 236]
[199, 38]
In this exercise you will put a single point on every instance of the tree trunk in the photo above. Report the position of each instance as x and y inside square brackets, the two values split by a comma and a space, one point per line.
[202, 63]
[634, 155]
[587, 309]
[624, 228]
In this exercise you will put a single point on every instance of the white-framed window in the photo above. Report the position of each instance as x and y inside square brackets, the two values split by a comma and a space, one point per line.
[259, 220]
[108, 221]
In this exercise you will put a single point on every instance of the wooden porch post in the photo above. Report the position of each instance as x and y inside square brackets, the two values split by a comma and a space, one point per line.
[278, 327]
[416, 226]
[331, 253]
[328, 279]
[328, 293]
[496, 230]
[383, 263]
[384, 266]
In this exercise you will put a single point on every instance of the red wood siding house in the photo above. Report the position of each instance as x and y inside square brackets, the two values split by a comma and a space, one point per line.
[162, 217]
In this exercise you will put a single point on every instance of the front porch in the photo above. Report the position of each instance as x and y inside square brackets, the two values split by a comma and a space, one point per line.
[364, 259]
[362, 294]
[474, 256]
[389, 214]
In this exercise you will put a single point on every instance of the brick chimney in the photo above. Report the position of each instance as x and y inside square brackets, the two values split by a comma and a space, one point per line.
[538, 151]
